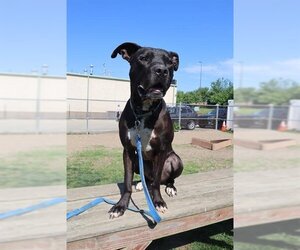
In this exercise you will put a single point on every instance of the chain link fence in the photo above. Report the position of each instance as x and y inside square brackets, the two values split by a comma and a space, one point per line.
[185, 116]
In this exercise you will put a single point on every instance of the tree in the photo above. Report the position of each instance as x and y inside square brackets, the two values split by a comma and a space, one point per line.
[245, 95]
[277, 92]
[221, 91]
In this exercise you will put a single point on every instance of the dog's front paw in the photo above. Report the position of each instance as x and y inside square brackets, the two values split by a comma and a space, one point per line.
[139, 186]
[171, 191]
[160, 206]
[116, 211]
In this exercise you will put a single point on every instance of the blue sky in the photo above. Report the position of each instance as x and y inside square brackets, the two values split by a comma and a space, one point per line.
[266, 41]
[33, 33]
[196, 30]
[265, 45]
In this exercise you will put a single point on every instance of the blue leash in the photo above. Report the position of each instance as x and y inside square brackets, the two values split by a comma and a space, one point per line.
[152, 211]
[29, 209]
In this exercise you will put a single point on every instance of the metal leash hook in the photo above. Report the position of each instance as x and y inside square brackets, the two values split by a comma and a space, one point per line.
[137, 124]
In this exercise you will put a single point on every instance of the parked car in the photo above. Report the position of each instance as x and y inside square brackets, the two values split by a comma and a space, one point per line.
[209, 120]
[260, 119]
[189, 117]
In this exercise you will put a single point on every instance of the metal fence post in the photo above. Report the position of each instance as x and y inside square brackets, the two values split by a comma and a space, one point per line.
[4, 112]
[217, 117]
[270, 118]
[229, 117]
[69, 111]
[38, 100]
[87, 104]
[179, 116]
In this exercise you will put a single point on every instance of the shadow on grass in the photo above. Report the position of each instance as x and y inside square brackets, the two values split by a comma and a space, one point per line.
[271, 236]
[216, 236]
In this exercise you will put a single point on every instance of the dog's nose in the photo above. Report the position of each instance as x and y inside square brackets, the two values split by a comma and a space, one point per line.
[161, 71]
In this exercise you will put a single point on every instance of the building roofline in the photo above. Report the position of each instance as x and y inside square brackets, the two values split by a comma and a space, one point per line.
[98, 77]
[30, 75]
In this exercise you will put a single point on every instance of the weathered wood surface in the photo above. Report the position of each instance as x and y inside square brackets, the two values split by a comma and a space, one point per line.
[202, 199]
[266, 196]
[41, 229]
[212, 144]
[265, 144]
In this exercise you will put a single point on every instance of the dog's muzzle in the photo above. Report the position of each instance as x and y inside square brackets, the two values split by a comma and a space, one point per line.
[155, 92]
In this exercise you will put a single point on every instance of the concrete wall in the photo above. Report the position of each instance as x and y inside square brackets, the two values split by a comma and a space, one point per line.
[19, 93]
[105, 94]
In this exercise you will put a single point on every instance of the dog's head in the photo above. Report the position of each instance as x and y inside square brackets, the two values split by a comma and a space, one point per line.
[151, 70]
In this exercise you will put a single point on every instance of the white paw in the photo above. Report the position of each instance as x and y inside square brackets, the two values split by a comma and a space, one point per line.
[114, 215]
[161, 209]
[139, 186]
[171, 191]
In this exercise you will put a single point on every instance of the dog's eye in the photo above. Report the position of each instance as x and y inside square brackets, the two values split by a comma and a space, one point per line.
[144, 58]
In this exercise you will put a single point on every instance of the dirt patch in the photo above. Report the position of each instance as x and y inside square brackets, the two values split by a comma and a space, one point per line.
[12, 144]
[111, 139]
[181, 144]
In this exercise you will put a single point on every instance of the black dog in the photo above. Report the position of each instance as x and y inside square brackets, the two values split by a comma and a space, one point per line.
[151, 73]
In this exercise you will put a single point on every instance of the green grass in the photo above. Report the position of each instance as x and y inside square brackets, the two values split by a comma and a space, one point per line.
[193, 167]
[34, 168]
[102, 165]
[94, 167]
[246, 111]
[274, 236]
[266, 163]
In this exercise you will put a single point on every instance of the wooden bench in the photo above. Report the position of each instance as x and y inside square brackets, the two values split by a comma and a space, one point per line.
[41, 229]
[203, 199]
[266, 196]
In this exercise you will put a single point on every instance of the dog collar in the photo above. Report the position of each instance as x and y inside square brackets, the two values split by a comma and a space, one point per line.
[139, 116]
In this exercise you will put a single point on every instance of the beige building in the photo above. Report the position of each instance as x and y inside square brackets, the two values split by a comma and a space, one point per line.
[105, 94]
[40, 103]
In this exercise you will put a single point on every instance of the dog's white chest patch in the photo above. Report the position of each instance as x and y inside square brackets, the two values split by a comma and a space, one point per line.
[146, 135]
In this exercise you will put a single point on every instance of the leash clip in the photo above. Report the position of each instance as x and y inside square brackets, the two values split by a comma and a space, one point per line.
[137, 124]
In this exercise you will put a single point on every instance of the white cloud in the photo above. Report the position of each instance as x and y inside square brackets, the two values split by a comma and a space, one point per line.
[219, 69]
[254, 73]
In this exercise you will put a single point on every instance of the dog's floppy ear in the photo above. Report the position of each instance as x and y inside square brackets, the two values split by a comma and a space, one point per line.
[175, 59]
[125, 50]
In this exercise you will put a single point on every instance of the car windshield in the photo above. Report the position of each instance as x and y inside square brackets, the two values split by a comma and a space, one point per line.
[277, 112]
[263, 112]
[172, 110]
[213, 112]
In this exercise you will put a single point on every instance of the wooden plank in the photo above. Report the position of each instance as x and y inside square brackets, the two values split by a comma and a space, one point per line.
[31, 193]
[212, 144]
[52, 243]
[142, 246]
[266, 196]
[265, 144]
[198, 195]
[219, 144]
[274, 144]
[96, 221]
[266, 216]
[136, 236]
[115, 189]
[43, 223]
